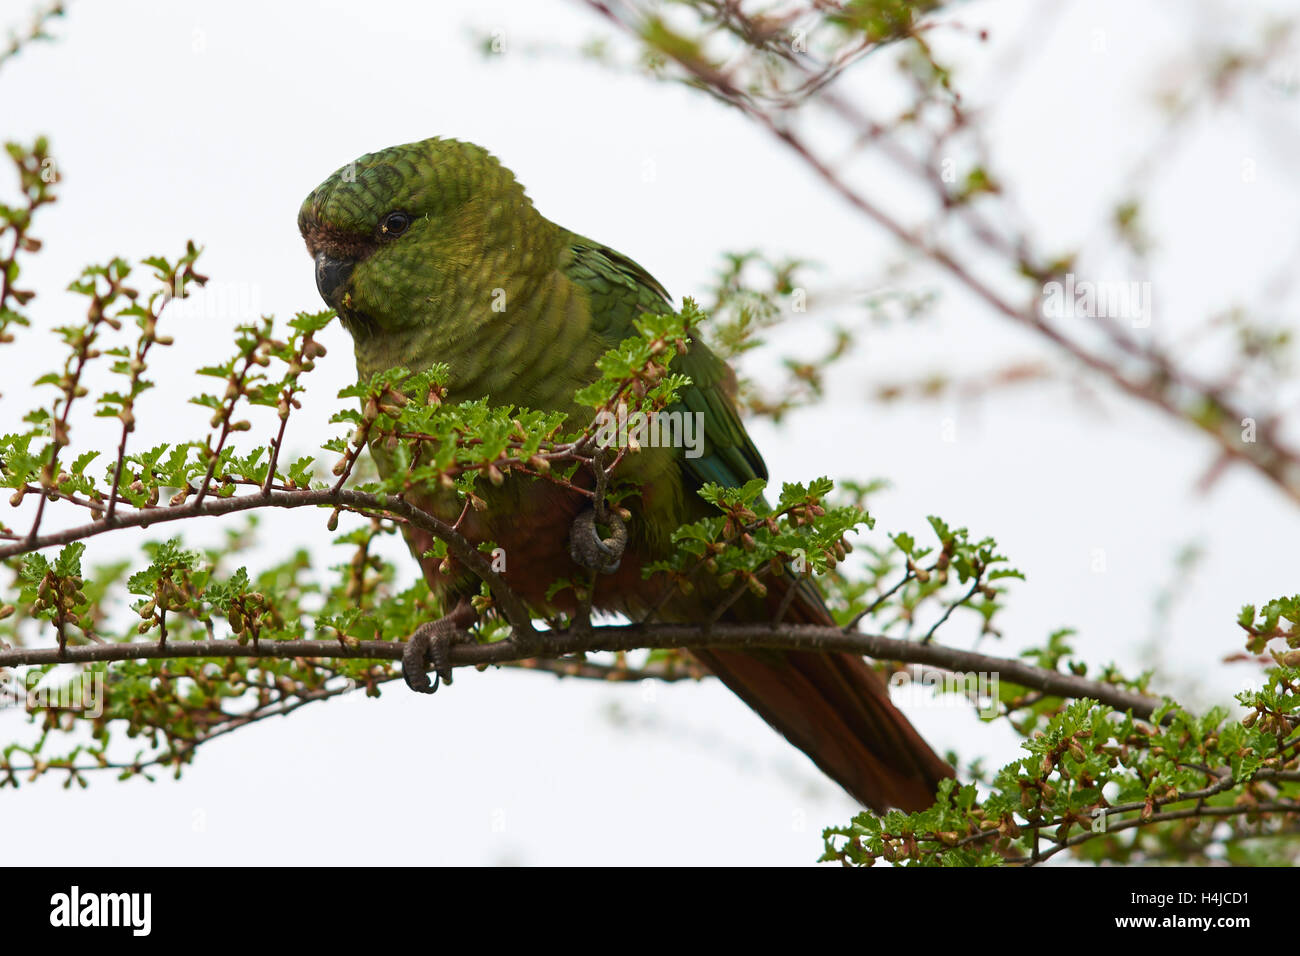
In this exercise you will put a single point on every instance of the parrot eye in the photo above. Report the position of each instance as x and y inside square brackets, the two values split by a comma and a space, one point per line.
[394, 224]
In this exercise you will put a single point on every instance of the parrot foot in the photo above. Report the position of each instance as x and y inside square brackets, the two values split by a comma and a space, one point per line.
[589, 550]
[431, 644]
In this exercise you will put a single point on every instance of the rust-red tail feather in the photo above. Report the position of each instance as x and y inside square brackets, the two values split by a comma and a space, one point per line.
[836, 709]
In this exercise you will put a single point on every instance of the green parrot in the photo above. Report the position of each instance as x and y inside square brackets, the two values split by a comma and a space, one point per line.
[431, 252]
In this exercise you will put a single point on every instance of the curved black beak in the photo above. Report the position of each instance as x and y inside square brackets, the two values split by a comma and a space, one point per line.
[331, 275]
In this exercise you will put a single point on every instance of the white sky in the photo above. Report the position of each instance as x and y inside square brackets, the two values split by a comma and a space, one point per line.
[214, 120]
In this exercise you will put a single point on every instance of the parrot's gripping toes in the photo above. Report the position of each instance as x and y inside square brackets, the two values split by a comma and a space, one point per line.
[587, 548]
[431, 644]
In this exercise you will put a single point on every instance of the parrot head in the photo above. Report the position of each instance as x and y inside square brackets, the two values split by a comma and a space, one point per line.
[408, 235]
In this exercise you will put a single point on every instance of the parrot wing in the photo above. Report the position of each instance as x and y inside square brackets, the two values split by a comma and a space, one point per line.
[621, 291]
[833, 707]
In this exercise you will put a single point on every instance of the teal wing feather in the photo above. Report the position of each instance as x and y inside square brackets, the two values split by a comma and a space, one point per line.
[620, 291]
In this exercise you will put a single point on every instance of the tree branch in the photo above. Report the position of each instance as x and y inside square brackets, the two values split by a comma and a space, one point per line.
[628, 637]
[1161, 382]
[511, 605]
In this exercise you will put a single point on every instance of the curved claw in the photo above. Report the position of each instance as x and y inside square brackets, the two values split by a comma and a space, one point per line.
[430, 644]
[589, 550]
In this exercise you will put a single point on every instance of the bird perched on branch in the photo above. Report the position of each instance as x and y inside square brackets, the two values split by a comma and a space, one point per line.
[431, 253]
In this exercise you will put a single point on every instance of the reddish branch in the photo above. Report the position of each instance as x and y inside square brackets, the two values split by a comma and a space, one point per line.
[1161, 382]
